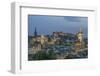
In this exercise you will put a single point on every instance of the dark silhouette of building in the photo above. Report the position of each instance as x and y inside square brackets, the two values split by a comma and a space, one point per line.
[35, 32]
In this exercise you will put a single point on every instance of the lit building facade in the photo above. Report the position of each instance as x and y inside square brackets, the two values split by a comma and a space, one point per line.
[80, 41]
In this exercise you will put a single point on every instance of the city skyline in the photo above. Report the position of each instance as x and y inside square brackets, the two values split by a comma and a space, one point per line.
[57, 37]
[46, 25]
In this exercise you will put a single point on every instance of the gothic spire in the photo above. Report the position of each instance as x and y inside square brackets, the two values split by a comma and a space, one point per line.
[35, 32]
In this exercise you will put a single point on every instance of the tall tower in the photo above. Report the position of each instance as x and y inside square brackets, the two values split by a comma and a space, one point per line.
[80, 35]
[80, 43]
[35, 32]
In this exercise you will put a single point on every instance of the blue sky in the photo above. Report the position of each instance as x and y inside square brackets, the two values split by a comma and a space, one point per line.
[48, 24]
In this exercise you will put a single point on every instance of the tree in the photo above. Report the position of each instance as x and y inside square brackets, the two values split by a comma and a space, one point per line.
[70, 56]
[43, 55]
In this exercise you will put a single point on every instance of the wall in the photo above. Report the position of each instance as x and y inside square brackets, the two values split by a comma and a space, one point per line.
[5, 33]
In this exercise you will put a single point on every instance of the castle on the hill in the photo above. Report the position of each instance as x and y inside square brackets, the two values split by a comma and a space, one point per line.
[41, 41]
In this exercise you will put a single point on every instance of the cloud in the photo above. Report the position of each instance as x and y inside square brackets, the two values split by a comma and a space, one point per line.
[49, 24]
[75, 19]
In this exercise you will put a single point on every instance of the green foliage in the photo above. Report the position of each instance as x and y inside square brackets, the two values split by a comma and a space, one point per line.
[69, 44]
[43, 55]
[70, 56]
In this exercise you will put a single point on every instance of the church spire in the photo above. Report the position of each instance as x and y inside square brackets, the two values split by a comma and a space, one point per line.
[35, 32]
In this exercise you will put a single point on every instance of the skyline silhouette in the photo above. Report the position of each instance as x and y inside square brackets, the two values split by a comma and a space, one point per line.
[45, 25]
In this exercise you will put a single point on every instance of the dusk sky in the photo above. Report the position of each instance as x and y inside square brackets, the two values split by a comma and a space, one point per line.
[47, 24]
